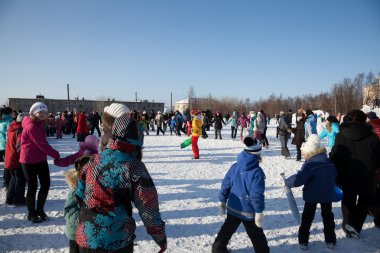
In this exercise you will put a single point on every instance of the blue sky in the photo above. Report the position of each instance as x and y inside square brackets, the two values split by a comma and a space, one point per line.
[243, 49]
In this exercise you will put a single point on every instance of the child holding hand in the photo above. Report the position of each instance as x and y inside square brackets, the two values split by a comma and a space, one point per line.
[88, 147]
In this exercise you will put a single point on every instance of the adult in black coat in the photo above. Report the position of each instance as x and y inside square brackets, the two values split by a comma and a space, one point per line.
[356, 155]
[218, 122]
[299, 132]
[94, 120]
[284, 132]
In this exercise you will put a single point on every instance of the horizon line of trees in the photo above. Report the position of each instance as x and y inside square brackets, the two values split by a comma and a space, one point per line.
[342, 97]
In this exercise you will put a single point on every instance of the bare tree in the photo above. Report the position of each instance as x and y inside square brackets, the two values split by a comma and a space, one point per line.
[370, 78]
[342, 97]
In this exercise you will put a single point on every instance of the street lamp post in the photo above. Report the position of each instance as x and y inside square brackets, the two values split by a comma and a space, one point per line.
[68, 97]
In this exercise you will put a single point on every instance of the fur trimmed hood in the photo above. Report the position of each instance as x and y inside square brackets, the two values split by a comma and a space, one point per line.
[71, 177]
[320, 150]
[312, 147]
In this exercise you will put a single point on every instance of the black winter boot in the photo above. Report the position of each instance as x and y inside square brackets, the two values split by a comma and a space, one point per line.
[40, 206]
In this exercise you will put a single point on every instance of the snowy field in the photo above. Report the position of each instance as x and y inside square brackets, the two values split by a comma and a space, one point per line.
[188, 192]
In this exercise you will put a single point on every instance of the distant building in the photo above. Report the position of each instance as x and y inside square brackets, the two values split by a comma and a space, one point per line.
[371, 94]
[197, 103]
[182, 105]
[60, 105]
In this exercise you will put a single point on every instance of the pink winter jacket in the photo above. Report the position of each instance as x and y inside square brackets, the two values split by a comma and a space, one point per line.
[69, 160]
[34, 146]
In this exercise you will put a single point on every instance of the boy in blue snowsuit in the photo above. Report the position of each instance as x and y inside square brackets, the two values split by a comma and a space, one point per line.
[242, 194]
[172, 125]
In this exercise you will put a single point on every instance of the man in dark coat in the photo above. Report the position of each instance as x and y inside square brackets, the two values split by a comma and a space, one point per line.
[95, 119]
[299, 132]
[284, 131]
[374, 121]
[356, 154]
[218, 121]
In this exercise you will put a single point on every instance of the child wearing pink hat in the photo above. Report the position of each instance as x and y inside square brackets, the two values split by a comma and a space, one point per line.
[88, 147]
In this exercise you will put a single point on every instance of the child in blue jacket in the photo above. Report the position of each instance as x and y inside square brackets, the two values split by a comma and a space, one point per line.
[172, 125]
[331, 130]
[242, 194]
[317, 175]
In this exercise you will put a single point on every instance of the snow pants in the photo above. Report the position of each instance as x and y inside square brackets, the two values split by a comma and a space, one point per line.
[264, 137]
[233, 132]
[299, 154]
[194, 146]
[218, 133]
[97, 129]
[256, 234]
[355, 208]
[308, 217]
[204, 133]
[73, 246]
[16, 188]
[284, 144]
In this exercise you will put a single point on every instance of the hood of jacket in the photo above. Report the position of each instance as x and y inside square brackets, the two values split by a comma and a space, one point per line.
[6, 117]
[248, 161]
[355, 131]
[311, 118]
[14, 126]
[27, 121]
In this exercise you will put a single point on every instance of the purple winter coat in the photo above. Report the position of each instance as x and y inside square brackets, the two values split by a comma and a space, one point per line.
[34, 146]
[243, 122]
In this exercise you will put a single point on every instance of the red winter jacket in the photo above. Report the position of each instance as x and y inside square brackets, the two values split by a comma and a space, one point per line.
[12, 156]
[82, 124]
[34, 146]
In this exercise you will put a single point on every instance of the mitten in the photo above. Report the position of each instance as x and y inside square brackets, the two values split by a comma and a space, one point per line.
[222, 208]
[259, 219]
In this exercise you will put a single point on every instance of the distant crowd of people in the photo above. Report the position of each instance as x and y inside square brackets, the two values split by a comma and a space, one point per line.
[109, 174]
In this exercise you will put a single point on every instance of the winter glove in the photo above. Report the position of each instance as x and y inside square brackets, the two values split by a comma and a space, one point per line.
[259, 219]
[222, 208]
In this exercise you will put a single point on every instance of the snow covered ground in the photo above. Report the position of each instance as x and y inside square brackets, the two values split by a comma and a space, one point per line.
[188, 192]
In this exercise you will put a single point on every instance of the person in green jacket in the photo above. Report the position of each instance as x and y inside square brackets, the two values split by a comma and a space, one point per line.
[72, 208]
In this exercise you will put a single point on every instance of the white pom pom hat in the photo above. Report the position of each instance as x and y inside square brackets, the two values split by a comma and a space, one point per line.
[116, 110]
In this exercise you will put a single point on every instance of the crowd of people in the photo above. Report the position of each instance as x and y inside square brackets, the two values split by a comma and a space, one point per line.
[109, 174]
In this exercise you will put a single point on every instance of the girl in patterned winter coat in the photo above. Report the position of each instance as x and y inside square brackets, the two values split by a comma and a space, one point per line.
[108, 185]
